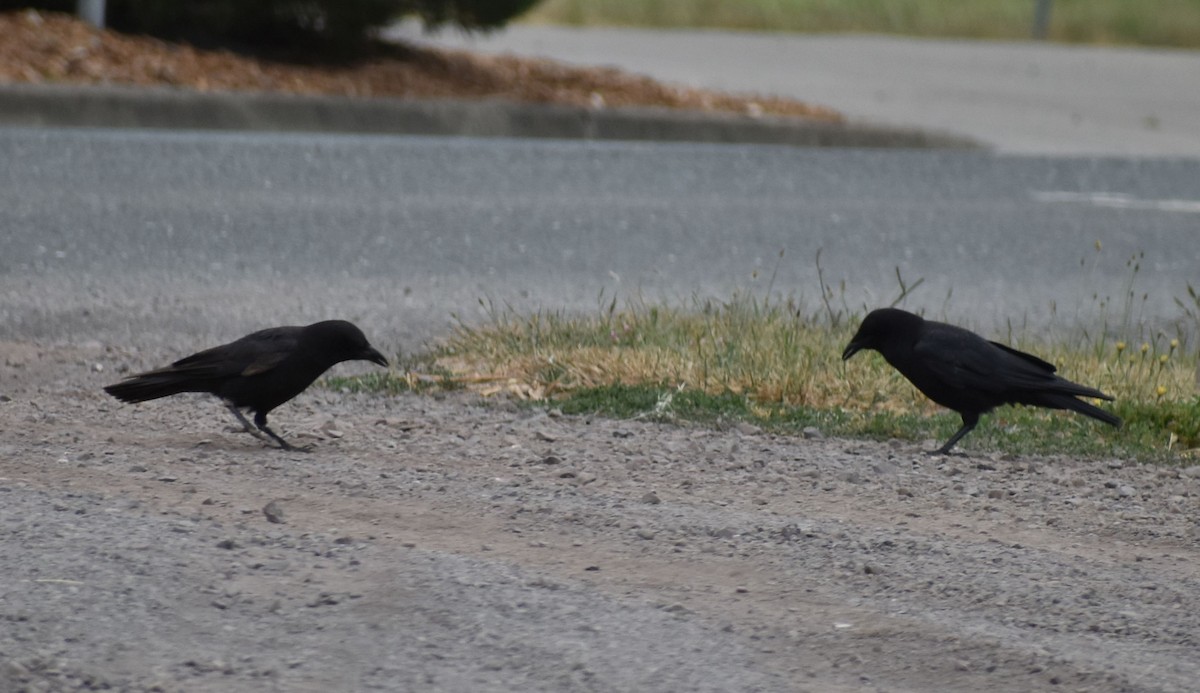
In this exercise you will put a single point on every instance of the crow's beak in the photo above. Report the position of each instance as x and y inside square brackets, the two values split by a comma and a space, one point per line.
[851, 349]
[374, 357]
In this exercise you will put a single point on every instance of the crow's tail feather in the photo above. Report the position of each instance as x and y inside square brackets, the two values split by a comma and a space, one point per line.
[153, 385]
[1062, 401]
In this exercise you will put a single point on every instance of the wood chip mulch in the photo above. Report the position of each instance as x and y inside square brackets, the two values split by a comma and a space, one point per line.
[49, 48]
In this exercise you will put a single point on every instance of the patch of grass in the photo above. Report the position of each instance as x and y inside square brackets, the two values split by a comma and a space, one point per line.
[418, 374]
[658, 402]
[777, 364]
[1160, 23]
[1147, 433]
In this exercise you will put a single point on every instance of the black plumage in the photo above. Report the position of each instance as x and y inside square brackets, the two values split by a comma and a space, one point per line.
[257, 372]
[962, 371]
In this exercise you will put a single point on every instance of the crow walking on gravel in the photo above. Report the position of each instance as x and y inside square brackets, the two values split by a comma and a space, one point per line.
[257, 372]
[962, 371]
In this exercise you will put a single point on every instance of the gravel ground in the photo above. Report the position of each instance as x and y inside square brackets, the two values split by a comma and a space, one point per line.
[447, 544]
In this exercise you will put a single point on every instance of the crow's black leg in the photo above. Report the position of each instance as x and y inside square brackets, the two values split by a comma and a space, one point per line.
[260, 420]
[246, 424]
[969, 423]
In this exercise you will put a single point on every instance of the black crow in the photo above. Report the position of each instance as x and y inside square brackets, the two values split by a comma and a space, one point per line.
[962, 371]
[257, 372]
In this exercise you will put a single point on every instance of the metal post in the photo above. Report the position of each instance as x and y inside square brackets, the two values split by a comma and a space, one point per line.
[91, 11]
[1041, 19]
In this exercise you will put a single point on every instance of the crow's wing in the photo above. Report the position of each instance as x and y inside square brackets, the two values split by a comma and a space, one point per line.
[255, 353]
[1021, 377]
[1028, 357]
[965, 361]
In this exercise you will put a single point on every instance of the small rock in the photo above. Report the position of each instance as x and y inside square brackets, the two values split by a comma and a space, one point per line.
[645, 534]
[324, 599]
[812, 433]
[274, 512]
[747, 429]
[16, 671]
[1126, 491]
[651, 498]
[995, 493]
[885, 468]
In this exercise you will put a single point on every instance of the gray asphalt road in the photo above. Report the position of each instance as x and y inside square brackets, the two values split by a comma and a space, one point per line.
[177, 238]
[1018, 96]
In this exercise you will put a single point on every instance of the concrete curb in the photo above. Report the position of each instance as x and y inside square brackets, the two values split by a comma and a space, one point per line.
[111, 106]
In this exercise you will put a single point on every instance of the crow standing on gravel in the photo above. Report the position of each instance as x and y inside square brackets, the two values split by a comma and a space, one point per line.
[962, 371]
[257, 372]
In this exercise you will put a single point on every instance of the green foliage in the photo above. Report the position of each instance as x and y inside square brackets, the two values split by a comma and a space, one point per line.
[288, 28]
[1150, 432]
[1161, 23]
[615, 400]
[1171, 424]
[68, 6]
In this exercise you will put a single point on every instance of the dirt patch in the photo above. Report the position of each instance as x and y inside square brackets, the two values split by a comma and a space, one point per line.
[442, 543]
[48, 48]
